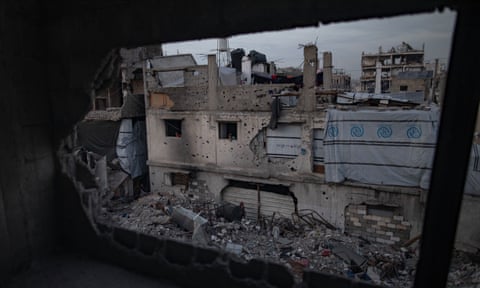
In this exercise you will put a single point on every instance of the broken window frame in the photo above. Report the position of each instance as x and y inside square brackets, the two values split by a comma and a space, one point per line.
[173, 128]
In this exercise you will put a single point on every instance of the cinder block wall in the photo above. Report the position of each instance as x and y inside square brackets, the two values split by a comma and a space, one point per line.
[389, 228]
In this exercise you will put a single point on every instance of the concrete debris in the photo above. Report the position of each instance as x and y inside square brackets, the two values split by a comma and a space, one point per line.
[234, 248]
[187, 219]
[348, 255]
[296, 243]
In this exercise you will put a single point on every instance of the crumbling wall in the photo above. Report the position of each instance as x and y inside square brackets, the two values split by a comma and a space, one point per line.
[330, 201]
[196, 76]
[185, 98]
[247, 97]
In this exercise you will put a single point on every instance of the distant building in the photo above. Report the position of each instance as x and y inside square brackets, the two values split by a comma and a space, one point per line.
[392, 65]
[341, 80]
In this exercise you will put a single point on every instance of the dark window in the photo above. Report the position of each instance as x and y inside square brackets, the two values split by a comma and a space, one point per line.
[227, 130]
[173, 128]
[403, 87]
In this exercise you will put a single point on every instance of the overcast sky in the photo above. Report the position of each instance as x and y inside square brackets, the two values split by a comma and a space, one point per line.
[345, 40]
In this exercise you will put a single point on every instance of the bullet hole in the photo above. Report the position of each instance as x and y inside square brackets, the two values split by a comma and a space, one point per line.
[326, 198]
[186, 144]
[323, 192]
[208, 141]
[165, 143]
[206, 156]
[245, 124]
[248, 132]
[293, 169]
[193, 155]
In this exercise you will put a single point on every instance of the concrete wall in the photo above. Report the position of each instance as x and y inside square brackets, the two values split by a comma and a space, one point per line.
[413, 84]
[26, 146]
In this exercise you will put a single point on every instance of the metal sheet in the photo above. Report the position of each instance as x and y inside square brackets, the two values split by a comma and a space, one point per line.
[269, 202]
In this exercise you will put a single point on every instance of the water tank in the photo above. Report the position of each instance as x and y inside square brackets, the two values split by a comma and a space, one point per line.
[237, 55]
[223, 45]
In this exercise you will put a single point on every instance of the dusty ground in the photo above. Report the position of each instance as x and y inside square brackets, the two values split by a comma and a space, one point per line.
[296, 243]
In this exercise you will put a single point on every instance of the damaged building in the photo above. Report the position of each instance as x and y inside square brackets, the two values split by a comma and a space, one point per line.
[47, 236]
[365, 170]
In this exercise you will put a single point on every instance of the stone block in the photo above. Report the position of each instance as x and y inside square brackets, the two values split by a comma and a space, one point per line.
[357, 224]
[389, 233]
[390, 225]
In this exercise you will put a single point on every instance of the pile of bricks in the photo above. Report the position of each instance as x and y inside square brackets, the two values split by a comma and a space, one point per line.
[384, 229]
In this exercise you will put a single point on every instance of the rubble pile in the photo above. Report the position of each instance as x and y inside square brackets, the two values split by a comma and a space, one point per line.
[306, 241]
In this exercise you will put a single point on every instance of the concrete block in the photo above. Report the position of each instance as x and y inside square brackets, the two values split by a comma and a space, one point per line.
[389, 233]
[380, 240]
[401, 227]
[381, 223]
[362, 212]
[148, 244]
[380, 232]
[178, 252]
[406, 223]
[377, 218]
[358, 224]
[354, 219]
[398, 218]
[125, 237]
[205, 255]
[319, 280]
[390, 225]
[396, 239]
[253, 269]
[279, 276]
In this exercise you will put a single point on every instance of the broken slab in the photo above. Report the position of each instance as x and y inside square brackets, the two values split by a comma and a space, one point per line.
[348, 255]
[187, 219]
